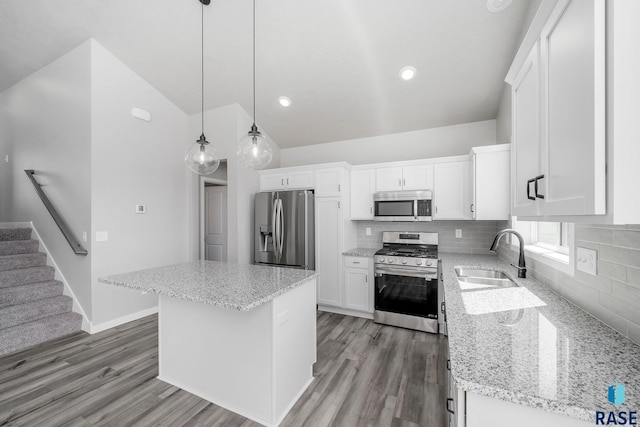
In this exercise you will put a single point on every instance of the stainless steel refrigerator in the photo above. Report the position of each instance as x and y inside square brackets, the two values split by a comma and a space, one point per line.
[284, 228]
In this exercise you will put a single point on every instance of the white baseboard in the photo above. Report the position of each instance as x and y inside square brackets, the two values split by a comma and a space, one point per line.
[94, 329]
[77, 308]
[345, 311]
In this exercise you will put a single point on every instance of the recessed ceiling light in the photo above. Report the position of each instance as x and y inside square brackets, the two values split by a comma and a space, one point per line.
[496, 6]
[408, 73]
[284, 101]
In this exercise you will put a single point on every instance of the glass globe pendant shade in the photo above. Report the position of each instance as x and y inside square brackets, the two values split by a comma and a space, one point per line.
[201, 158]
[254, 151]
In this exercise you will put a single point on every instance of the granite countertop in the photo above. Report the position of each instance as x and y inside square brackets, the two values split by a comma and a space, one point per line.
[361, 252]
[530, 346]
[236, 286]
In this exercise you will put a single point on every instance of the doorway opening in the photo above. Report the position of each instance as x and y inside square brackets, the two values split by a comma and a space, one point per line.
[213, 215]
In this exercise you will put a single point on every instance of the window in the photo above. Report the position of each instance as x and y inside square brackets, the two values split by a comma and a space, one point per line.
[551, 235]
[547, 242]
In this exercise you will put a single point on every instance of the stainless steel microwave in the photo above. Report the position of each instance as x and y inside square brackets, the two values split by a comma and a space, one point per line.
[402, 205]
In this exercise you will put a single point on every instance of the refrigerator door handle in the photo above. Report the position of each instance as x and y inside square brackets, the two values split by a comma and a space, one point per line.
[281, 228]
[274, 226]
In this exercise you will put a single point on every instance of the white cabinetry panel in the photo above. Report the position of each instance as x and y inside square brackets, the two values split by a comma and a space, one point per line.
[363, 185]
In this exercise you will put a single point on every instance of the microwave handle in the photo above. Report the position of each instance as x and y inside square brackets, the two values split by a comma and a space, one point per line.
[415, 209]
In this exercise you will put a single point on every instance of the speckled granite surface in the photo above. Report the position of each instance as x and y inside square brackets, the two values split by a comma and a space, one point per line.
[361, 252]
[529, 346]
[235, 286]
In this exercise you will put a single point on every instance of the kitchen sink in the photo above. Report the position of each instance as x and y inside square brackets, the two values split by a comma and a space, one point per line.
[467, 272]
[483, 279]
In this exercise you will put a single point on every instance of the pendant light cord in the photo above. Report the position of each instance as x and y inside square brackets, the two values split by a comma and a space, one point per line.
[254, 62]
[202, 66]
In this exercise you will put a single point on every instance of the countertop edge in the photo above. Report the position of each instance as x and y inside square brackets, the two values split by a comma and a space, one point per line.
[216, 303]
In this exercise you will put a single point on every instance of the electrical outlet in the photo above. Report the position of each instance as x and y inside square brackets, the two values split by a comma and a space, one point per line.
[84, 236]
[458, 233]
[368, 231]
[6, 158]
[587, 260]
[141, 209]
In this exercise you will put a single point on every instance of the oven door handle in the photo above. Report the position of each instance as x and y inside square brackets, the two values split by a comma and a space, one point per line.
[406, 273]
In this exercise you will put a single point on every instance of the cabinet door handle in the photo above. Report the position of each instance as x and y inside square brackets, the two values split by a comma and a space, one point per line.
[472, 207]
[371, 209]
[339, 190]
[338, 205]
[403, 182]
[449, 410]
[355, 262]
[442, 307]
[282, 181]
[448, 364]
[366, 278]
[529, 188]
[287, 181]
[535, 186]
[399, 183]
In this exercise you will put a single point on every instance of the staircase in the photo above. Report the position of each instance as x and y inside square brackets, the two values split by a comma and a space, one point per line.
[32, 307]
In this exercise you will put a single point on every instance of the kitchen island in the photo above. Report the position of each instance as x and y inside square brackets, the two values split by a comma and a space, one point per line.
[240, 336]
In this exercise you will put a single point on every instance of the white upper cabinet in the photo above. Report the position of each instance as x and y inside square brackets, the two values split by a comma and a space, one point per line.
[572, 60]
[363, 185]
[525, 104]
[418, 177]
[329, 182]
[558, 114]
[490, 182]
[451, 190]
[279, 179]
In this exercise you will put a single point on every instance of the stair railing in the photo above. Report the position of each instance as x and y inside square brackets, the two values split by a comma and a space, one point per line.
[66, 232]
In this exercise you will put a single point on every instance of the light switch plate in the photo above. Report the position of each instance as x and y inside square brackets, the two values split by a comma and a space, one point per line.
[102, 236]
[587, 260]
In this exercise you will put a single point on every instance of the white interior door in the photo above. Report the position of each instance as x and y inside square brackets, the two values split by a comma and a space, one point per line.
[215, 223]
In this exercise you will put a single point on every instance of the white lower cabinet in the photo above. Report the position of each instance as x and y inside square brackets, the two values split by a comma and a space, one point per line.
[358, 284]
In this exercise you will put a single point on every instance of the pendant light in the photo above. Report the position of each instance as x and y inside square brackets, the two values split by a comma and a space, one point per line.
[254, 151]
[201, 156]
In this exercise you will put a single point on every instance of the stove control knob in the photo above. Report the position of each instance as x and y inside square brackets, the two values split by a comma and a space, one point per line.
[404, 261]
[390, 260]
[428, 263]
[418, 262]
[380, 259]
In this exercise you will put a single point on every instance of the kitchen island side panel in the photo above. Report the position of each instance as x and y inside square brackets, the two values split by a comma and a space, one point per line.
[218, 354]
[256, 363]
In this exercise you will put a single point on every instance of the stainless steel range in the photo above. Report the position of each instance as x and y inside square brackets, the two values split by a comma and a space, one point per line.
[406, 275]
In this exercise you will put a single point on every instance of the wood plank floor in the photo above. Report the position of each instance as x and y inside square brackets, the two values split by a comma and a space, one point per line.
[366, 375]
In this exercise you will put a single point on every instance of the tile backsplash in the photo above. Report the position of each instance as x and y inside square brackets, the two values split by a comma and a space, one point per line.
[477, 236]
[613, 294]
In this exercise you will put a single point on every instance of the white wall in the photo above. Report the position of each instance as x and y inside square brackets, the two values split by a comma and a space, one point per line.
[223, 127]
[503, 119]
[421, 144]
[46, 126]
[133, 162]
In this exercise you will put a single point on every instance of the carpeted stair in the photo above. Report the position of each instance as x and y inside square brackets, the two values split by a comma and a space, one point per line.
[32, 307]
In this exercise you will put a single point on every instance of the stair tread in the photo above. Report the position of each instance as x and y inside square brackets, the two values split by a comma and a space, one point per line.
[10, 247]
[33, 310]
[18, 261]
[15, 295]
[15, 233]
[29, 334]
[22, 276]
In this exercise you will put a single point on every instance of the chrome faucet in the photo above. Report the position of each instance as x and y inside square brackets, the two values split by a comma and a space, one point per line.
[522, 269]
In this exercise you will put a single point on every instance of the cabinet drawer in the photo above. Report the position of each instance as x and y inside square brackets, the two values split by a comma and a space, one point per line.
[356, 261]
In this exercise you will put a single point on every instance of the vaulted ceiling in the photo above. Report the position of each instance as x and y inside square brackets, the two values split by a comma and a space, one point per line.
[337, 60]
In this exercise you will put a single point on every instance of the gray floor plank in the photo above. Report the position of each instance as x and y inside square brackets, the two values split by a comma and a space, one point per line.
[366, 375]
